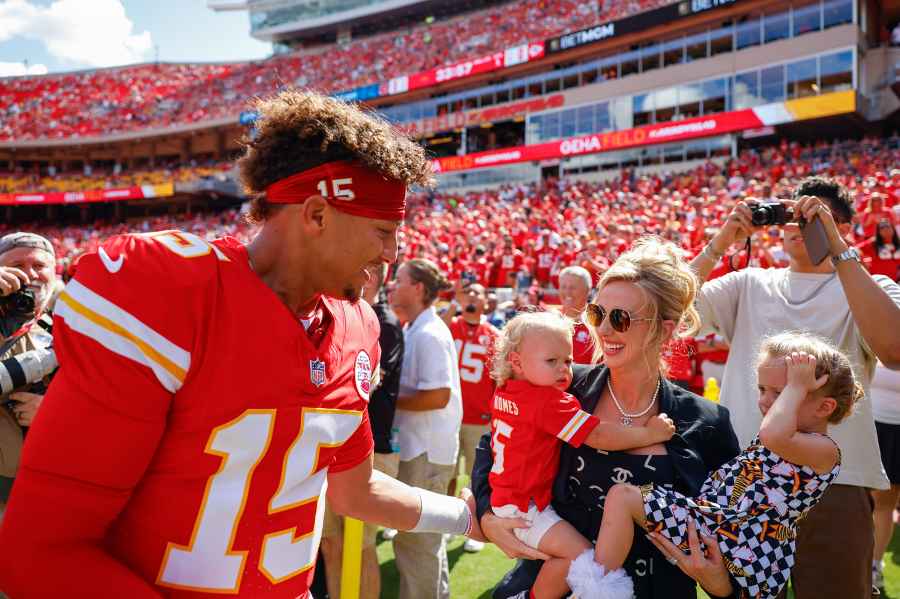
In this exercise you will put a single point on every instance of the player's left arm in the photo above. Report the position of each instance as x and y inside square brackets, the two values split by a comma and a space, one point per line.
[372, 496]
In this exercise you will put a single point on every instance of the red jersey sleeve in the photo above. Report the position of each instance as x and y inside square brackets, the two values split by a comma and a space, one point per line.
[561, 416]
[356, 449]
[361, 443]
[122, 335]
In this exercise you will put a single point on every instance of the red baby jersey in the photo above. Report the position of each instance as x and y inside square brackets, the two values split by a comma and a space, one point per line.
[474, 345]
[183, 447]
[582, 344]
[528, 424]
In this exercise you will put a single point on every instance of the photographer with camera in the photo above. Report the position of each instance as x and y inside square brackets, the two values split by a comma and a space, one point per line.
[27, 280]
[825, 290]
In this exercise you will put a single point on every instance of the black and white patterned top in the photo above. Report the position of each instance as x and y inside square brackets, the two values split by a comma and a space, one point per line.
[594, 473]
[752, 504]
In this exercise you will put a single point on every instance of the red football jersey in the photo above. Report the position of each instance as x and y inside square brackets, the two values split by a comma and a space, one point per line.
[582, 344]
[474, 346]
[183, 448]
[527, 426]
[546, 256]
[507, 264]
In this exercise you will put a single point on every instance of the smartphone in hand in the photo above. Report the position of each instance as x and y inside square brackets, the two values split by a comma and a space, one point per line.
[815, 239]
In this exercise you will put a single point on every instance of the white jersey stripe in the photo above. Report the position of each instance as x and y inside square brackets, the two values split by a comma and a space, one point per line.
[123, 334]
[96, 303]
[573, 425]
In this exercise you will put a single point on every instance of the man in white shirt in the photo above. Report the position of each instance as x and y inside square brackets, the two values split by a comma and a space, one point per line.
[840, 301]
[428, 419]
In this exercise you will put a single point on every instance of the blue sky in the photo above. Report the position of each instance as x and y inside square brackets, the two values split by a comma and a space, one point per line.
[64, 35]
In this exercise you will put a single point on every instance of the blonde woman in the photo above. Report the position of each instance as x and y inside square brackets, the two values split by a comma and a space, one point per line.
[643, 301]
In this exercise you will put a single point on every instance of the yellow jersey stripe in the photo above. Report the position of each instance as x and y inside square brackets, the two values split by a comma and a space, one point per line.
[574, 424]
[111, 334]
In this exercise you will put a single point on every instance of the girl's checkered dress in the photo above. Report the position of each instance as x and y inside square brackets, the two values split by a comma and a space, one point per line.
[752, 505]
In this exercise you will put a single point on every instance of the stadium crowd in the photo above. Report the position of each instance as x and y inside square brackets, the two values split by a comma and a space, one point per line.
[517, 236]
[521, 236]
[90, 103]
[89, 177]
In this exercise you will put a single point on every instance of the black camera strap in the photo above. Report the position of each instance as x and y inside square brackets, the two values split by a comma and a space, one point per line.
[747, 248]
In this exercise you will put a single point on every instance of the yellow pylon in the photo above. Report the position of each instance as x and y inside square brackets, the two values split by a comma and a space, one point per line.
[351, 564]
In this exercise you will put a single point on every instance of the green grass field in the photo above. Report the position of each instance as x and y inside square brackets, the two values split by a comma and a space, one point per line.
[473, 576]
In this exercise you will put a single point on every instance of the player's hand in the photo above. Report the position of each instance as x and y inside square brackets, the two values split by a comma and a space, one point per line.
[11, 280]
[737, 228]
[499, 531]
[27, 406]
[707, 569]
[661, 428]
[801, 372]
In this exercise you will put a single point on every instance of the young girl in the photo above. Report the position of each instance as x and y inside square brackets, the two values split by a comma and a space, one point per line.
[751, 504]
[531, 414]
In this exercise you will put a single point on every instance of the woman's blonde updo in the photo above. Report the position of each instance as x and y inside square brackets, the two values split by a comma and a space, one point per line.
[669, 286]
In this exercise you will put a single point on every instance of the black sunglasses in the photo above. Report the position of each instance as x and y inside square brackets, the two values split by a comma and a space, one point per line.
[619, 318]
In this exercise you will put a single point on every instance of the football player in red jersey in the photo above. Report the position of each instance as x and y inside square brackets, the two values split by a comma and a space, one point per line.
[474, 337]
[574, 288]
[217, 387]
[508, 261]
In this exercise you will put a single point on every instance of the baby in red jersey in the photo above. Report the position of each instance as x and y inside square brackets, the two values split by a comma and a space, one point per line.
[531, 414]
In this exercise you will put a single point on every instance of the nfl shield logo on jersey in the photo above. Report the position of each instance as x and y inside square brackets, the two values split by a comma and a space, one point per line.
[317, 372]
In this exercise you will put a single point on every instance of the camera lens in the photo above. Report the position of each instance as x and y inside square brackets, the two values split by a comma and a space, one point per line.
[762, 215]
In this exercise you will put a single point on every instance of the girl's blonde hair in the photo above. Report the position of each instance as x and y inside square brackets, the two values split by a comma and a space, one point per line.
[514, 332]
[669, 286]
[841, 384]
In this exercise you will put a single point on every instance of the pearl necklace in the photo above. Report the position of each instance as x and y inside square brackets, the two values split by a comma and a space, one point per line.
[627, 418]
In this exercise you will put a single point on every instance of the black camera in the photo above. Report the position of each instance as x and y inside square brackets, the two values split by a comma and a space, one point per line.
[764, 214]
[19, 304]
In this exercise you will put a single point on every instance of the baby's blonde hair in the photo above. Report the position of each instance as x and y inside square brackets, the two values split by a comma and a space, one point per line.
[514, 332]
[841, 384]
[668, 283]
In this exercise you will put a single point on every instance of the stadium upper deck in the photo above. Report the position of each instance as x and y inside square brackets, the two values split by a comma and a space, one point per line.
[145, 97]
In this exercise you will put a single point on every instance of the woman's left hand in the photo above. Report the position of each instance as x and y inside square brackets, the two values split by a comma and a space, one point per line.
[708, 570]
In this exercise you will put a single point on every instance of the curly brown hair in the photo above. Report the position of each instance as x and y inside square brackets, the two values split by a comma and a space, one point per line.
[298, 130]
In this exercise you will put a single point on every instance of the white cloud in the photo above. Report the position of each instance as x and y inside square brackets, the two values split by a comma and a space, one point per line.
[92, 33]
[17, 69]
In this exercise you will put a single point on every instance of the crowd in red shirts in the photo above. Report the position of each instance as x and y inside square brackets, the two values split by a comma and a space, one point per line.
[519, 236]
[138, 97]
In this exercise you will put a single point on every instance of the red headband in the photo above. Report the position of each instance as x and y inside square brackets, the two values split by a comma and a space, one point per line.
[348, 186]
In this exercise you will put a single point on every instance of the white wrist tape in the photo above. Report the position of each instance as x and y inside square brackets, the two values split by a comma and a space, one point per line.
[443, 514]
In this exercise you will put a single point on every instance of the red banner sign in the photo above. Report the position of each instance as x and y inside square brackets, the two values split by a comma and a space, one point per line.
[467, 68]
[92, 195]
[704, 126]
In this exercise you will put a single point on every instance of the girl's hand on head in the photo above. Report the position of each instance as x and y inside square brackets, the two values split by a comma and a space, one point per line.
[801, 372]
